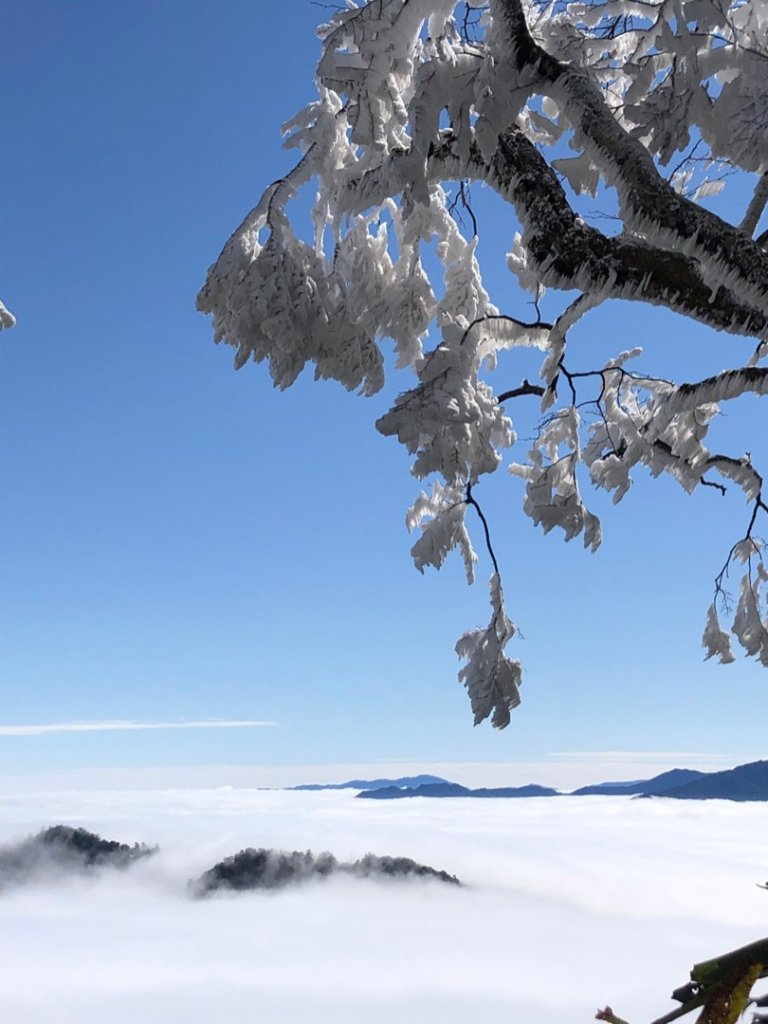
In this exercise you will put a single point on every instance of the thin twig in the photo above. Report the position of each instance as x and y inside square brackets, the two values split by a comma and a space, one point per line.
[526, 388]
[471, 500]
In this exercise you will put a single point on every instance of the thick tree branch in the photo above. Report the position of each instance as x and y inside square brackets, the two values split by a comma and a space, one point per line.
[649, 204]
[571, 254]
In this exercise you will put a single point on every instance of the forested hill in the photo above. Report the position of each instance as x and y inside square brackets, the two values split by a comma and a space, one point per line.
[448, 789]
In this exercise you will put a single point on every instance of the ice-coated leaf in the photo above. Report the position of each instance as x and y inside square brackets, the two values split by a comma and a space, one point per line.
[715, 640]
[746, 549]
[582, 174]
[443, 531]
[748, 628]
[492, 680]
[709, 188]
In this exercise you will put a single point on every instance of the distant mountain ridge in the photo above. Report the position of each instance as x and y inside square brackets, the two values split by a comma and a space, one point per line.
[407, 781]
[743, 783]
[660, 784]
[453, 789]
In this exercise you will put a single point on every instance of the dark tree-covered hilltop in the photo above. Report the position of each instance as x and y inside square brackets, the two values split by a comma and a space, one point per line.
[63, 848]
[275, 869]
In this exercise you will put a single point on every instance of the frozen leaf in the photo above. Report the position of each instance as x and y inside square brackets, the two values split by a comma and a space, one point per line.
[443, 531]
[716, 641]
[492, 680]
[748, 628]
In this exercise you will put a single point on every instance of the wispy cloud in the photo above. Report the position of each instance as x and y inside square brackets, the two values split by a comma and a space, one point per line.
[122, 726]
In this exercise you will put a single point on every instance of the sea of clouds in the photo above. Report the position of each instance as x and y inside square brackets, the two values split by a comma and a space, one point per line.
[567, 904]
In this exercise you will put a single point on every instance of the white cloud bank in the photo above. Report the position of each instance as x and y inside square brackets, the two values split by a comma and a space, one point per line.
[120, 725]
[570, 903]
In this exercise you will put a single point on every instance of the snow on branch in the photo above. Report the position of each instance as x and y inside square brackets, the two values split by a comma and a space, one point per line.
[567, 253]
[650, 206]
[721, 388]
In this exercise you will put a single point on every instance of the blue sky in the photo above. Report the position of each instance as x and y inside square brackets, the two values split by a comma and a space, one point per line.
[179, 542]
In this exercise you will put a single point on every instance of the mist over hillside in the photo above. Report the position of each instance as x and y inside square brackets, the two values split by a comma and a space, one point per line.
[263, 869]
[62, 849]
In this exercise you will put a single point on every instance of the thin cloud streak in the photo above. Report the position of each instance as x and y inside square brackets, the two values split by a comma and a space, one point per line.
[122, 726]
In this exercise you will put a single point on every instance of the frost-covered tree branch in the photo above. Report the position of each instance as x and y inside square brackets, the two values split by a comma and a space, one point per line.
[567, 253]
[649, 204]
[543, 102]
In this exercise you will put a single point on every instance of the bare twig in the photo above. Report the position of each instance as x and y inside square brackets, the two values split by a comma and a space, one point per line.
[526, 388]
[471, 500]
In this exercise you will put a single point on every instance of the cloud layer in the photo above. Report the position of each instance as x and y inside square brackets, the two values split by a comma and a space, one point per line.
[567, 905]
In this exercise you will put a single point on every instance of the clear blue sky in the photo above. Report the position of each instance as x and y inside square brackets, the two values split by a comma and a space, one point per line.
[181, 542]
